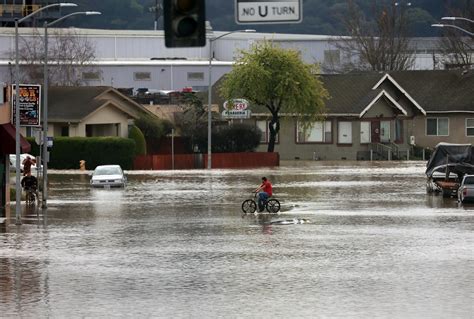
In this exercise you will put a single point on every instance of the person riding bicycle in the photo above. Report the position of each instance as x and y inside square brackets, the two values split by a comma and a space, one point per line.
[30, 183]
[264, 192]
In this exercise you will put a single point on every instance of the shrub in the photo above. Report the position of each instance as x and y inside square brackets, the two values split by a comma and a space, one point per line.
[68, 151]
[35, 148]
[140, 143]
[233, 138]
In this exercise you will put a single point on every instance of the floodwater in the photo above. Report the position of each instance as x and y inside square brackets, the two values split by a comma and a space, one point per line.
[174, 244]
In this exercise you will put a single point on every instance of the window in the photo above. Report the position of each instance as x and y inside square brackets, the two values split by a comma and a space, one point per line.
[65, 130]
[316, 132]
[332, 57]
[91, 76]
[263, 126]
[344, 135]
[469, 127]
[142, 76]
[195, 76]
[437, 126]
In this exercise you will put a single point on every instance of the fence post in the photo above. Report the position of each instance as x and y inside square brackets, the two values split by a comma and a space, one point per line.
[371, 155]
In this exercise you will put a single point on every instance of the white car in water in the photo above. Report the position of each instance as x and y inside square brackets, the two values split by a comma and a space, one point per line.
[22, 158]
[108, 176]
[466, 190]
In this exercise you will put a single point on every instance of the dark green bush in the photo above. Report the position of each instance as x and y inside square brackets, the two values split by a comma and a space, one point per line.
[140, 143]
[68, 151]
[35, 148]
[229, 139]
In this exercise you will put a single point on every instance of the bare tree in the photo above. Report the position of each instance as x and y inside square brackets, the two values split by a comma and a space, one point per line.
[457, 48]
[381, 44]
[69, 55]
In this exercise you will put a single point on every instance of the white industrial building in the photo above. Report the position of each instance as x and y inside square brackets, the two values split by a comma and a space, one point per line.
[139, 59]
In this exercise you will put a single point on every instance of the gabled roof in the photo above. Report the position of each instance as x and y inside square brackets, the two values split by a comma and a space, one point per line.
[353, 94]
[440, 90]
[384, 94]
[400, 88]
[73, 104]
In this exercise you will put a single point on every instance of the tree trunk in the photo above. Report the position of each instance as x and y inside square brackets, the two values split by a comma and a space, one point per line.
[274, 127]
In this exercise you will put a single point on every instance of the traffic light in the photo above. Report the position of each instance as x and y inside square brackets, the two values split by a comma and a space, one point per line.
[184, 23]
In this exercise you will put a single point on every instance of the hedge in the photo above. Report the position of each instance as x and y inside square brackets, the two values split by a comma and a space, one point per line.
[68, 151]
[140, 143]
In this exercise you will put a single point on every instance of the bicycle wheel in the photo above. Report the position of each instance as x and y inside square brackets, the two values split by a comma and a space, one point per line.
[249, 206]
[30, 198]
[273, 206]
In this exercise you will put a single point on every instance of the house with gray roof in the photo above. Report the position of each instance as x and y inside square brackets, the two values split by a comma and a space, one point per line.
[90, 111]
[383, 115]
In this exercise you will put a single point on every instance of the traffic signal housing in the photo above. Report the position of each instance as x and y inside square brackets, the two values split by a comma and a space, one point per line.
[184, 22]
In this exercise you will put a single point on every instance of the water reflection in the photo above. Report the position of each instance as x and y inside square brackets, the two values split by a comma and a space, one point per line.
[175, 244]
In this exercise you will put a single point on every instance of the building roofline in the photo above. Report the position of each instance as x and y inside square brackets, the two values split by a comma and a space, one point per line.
[382, 93]
[391, 79]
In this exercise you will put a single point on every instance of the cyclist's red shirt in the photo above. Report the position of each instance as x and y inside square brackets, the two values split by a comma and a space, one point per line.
[267, 187]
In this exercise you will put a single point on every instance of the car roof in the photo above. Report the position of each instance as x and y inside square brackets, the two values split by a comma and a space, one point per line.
[102, 166]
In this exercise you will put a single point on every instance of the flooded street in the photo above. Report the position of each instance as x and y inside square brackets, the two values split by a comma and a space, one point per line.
[174, 244]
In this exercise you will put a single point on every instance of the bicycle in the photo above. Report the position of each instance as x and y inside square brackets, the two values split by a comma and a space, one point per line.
[30, 197]
[249, 206]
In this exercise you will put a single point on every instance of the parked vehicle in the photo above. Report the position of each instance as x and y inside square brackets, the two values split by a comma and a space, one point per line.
[108, 176]
[446, 167]
[22, 158]
[466, 189]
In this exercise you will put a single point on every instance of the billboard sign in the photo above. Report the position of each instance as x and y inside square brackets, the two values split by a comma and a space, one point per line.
[236, 114]
[236, 104]
[269, 11]
[29, 101]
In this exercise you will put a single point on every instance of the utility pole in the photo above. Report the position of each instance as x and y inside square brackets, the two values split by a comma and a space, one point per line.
[158, 10]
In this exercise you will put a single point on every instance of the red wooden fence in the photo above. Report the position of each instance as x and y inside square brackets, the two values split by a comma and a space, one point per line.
[219, 160]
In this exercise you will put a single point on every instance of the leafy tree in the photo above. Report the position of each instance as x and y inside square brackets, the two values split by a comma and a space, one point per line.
[276, 78]
[236, 138]
[153, 128]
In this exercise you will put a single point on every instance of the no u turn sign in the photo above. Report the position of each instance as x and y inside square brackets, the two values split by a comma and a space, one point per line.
[269, 11]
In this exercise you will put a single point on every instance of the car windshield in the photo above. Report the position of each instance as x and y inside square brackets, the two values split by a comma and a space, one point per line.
[107, 171]
[469, 180]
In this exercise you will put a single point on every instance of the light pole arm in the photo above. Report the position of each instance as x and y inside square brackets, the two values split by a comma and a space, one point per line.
[61, 4]
[439, 25]
[70, 15]
[457, 18]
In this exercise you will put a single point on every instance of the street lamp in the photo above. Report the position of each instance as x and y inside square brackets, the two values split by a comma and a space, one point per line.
[209, 97]
[440, 25]
[17, 102]
[45, 99]
[457, 18]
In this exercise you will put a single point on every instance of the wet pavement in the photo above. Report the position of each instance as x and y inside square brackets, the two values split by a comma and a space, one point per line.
[175, 244]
